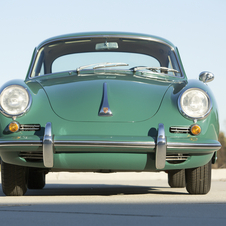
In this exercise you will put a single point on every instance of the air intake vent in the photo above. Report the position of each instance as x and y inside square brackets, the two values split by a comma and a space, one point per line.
[176, 158]
[32, 156]
[175, 129]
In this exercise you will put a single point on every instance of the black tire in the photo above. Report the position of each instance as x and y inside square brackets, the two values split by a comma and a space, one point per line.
[198, 180]
[36, 179]
[14, 179]
[176, 178]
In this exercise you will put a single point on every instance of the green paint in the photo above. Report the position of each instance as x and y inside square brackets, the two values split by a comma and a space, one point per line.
[71, 103]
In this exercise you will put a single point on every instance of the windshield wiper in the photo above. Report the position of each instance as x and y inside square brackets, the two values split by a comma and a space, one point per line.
[101, 65]
[110, 65]
[155, 69]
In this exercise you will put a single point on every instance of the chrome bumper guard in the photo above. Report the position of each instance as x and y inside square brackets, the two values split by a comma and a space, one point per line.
[48, 146]
[160, 155]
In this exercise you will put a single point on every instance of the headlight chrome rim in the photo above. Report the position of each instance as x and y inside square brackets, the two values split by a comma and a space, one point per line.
[4, 111]
[193, 117]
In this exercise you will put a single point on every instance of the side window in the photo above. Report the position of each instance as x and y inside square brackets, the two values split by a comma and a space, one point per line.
[42, 72]
[173, 64]
[39, 65]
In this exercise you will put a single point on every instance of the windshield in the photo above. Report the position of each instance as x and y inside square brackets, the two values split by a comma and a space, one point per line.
[124, 54]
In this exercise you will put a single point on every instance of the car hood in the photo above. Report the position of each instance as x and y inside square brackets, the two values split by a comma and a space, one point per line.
[129, 101]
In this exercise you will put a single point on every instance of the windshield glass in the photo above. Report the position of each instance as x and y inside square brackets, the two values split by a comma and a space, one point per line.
[123, 53]
[73, 61]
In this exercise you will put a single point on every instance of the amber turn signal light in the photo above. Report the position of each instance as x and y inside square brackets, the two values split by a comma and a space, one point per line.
[195, 129]
[14, 127]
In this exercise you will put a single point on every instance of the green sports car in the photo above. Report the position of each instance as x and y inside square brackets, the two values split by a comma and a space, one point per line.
[107, 102]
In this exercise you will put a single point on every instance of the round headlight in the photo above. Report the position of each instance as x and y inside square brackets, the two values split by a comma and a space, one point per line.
[195, 103]
[14, 100]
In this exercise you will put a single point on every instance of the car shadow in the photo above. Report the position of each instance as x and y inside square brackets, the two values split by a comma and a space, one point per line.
[100, 190]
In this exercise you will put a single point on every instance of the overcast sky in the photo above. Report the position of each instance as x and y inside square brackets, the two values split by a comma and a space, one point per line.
[196, 27]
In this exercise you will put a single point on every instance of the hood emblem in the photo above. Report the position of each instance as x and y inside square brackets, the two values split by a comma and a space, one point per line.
[105, 109]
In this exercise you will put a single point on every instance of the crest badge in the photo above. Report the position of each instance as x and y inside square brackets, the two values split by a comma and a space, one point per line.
[105, 109]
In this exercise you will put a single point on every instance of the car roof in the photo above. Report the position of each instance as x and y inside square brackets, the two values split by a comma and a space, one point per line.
[105, 34]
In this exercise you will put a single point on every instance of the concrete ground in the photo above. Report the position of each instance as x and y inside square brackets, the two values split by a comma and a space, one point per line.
[115, 199]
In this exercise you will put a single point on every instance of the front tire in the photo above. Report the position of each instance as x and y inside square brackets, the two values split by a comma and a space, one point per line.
[36, 179]
[14, 179]
[176, 178]
[199, 179]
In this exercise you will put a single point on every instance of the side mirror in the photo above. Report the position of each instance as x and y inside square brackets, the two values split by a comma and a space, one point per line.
[206, 76]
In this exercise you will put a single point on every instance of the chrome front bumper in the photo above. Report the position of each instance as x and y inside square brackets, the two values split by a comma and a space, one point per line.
[159, 147]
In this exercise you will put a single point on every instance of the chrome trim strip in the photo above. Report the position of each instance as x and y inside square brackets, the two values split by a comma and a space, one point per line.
[105, 109]
[178, 129]
[117, 144]
[48, 146]
[160, 156]
[195, 146]
[57, 143]
[16, 143]
[30, 127]
[125, 144]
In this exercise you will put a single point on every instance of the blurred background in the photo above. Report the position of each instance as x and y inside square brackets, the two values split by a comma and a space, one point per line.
[196, 27]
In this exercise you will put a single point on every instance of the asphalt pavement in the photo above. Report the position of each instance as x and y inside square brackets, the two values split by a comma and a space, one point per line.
[115, 199]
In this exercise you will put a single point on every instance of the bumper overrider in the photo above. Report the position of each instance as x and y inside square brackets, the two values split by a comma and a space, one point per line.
[160, 147]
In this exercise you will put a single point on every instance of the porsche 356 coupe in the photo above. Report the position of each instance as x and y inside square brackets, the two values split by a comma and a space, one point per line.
[107, 102]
